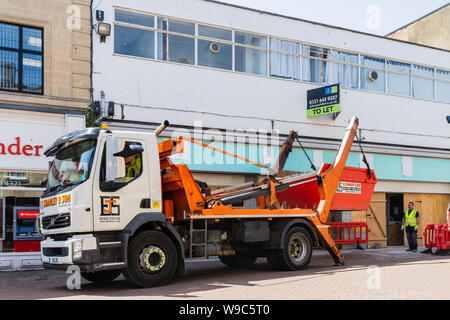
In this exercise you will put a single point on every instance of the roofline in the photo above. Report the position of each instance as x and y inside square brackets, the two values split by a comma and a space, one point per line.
[322, 24]
[418, 19]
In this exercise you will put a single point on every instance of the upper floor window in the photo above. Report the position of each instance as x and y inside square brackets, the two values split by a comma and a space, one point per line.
[442, 85]
[284, 59]
[315, 66]
[250, 53]
[344, 69]
[399, 79]
[215, 53]
[176, 47]
[21, 51]
[422, 82]
[373, 74]
[132, 35]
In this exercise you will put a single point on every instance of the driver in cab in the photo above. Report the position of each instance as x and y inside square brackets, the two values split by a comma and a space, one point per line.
[133, 165]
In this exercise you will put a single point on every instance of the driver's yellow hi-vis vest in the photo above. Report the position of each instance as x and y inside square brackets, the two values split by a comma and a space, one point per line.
[135, 167]
[410, 219]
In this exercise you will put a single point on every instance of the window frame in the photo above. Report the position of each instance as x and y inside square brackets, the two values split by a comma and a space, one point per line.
[112, 186]
[20, 52]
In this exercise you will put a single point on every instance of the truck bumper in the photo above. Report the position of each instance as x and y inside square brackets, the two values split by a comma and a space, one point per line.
[69, 251]
[80, 250]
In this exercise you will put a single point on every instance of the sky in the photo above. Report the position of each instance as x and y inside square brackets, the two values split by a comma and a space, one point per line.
[372, 16]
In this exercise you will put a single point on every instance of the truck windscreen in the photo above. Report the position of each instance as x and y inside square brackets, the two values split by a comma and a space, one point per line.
[72, 164]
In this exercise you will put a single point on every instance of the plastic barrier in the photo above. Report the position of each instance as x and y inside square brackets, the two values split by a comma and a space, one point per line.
[437, 236]
[442, 241]
[429, 236]
[349, 232]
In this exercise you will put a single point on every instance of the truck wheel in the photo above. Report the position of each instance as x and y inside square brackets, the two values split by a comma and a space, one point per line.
[296, 253]
[238, 261]
[152, 259]
[101, 277]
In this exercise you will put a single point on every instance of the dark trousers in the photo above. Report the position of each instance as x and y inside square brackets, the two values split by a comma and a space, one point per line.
[411, 235]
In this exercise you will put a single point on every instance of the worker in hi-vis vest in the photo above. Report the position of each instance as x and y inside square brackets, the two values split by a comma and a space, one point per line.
[411, 222]
[133, 165]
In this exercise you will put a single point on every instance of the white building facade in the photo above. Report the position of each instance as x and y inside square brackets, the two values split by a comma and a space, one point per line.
[239, 78]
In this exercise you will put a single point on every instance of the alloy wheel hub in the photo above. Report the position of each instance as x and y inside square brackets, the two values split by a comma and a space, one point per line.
[152, 259]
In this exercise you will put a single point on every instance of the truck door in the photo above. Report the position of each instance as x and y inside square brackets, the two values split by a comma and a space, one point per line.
[121, 183]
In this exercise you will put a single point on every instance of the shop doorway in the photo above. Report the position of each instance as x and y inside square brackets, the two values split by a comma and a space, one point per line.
[394, 217]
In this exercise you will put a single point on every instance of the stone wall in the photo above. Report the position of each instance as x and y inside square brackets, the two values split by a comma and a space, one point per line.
[67, 42]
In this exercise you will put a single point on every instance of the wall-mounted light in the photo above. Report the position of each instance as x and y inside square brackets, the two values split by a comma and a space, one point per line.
[104, 30]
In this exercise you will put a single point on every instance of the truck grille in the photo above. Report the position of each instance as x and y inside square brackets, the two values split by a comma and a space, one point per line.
[55, 252]
[56, 221]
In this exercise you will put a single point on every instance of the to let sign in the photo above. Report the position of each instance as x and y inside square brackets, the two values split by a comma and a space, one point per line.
[323, 100]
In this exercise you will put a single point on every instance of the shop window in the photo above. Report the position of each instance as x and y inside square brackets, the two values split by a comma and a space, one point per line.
[422, 87]
[134, 42]
[283, 62]
[176, 48]
[135, 18]
[121, 164]
[443, 85]
[21, 61]
[314, 65]
[399, 81]
[373, 75]
[214, 54]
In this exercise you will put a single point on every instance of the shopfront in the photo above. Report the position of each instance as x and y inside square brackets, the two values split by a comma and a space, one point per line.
[24, 136]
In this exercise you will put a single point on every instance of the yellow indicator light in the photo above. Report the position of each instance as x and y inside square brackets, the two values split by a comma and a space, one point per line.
[104, 126]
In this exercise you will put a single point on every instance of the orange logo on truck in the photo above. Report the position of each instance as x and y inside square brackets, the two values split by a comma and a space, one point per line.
[110, 206]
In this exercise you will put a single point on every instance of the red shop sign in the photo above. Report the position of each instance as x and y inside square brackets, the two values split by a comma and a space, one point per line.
[28, 214]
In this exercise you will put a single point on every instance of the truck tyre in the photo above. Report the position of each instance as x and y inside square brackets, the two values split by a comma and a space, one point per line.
[296, 253]
[152, 259]
[238, 261]
[101, 277]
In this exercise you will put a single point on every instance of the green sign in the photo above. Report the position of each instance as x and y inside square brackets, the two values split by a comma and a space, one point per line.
[323, 100]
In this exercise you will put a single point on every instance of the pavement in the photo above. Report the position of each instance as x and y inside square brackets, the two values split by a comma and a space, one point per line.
[390, 273]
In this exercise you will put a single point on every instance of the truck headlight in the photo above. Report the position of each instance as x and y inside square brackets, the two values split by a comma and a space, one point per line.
[77, 249]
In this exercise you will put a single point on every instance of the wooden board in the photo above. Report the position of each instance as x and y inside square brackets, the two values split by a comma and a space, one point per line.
[375, 218]
[432, 209]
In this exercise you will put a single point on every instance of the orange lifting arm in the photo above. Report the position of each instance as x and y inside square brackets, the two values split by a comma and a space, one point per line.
[329, 179]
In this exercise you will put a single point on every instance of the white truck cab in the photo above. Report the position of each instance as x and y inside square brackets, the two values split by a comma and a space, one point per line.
[102, 186]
